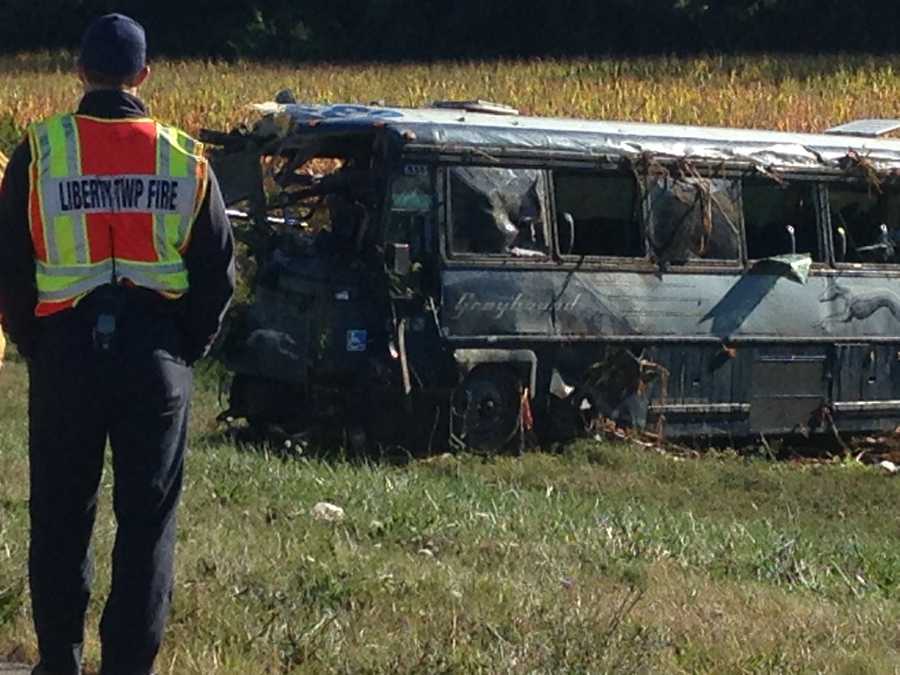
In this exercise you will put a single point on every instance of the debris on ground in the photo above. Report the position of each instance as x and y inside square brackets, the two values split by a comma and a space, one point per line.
[882, 452]
[888, 466]
[327, 512]
[605, 429]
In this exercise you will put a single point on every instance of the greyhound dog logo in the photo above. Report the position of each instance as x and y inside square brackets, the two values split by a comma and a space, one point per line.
[852, 306]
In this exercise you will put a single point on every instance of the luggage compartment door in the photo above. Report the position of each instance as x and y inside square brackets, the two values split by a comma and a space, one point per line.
[787, 391]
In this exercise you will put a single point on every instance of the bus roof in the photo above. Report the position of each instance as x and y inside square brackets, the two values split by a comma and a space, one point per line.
[451, 129]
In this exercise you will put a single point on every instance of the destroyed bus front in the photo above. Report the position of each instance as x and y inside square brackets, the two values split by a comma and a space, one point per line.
[465, 276]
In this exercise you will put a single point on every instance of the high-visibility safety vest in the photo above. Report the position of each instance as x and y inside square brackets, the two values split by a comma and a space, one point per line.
[111, 201]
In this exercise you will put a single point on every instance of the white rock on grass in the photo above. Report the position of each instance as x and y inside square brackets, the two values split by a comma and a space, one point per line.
[889, 466]
[327, 512]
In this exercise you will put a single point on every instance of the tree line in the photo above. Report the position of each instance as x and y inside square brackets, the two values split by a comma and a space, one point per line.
[340, 30]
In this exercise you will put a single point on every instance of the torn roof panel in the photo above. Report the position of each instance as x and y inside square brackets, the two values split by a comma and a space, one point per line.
[449, 127]
[873, 128]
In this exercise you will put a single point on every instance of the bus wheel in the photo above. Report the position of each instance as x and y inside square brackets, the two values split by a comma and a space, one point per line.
[486, 408]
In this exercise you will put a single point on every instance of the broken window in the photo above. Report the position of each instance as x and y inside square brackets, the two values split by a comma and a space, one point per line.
[780, 219]
[693, 218]
[596, 214]
[498, 211]
[410, 214]
[865, 224]
[347, 220]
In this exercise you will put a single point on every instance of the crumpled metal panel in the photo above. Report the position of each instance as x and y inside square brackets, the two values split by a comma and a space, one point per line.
[871, 127]
[780, 150]
[794, 265]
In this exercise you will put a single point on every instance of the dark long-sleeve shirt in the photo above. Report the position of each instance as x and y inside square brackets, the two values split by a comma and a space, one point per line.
[209, 257]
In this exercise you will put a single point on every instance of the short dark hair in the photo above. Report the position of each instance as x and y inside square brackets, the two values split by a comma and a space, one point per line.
[106, 80]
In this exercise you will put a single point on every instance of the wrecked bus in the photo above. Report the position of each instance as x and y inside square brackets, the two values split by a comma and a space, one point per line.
[460, 275]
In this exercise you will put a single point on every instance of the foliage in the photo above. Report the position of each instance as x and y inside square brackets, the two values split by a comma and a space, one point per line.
[417, 29]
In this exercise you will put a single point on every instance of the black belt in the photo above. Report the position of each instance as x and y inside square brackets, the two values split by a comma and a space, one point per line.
[102, 309]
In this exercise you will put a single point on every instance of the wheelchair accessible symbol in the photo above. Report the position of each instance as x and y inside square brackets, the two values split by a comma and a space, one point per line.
[357, 340]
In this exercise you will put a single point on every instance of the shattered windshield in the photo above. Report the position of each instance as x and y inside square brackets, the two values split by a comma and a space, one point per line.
[694, 218]
[498, 211]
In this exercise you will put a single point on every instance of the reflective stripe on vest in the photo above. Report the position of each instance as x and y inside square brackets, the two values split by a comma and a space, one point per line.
[111, 200]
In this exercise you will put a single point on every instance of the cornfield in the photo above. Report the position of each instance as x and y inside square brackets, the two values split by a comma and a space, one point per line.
[797, 93]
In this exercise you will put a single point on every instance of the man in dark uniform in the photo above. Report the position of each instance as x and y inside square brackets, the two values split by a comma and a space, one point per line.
[116, 266]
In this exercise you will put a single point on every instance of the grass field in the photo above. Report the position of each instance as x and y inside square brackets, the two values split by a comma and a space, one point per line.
[602, 558]
[599, 559]
[791, 93]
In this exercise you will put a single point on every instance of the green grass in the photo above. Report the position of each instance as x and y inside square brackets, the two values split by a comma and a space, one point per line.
[604, 558]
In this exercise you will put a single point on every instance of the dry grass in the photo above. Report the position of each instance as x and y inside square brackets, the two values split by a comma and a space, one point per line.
[790, 92]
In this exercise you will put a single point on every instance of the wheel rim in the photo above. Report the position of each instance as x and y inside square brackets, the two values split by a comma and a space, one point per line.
[487, 408]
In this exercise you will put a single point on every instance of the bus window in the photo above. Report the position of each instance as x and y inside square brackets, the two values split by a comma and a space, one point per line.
[411, 210]
[693, 219]
[780, 219]
[497, 211]
[603, 214]
[865, 224]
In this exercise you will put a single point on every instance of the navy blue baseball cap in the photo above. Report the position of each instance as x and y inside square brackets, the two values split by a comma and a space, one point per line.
[113, 45]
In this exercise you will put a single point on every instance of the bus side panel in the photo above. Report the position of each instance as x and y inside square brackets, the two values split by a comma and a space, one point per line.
[497, 302]
[742, 353]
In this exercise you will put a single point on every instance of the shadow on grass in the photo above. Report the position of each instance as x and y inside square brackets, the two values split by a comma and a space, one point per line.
[336, 447]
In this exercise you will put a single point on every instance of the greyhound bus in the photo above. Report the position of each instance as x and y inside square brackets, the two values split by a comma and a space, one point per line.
[471, 274]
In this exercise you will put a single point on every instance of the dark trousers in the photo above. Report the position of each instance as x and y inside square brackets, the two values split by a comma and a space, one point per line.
[136, 396]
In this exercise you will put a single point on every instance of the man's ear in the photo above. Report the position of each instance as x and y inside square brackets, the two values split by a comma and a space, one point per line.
[138, 79]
